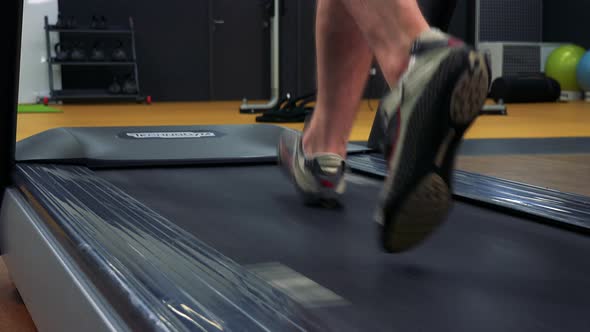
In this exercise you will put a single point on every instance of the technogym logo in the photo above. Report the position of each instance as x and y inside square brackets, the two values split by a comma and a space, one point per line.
[170, 135]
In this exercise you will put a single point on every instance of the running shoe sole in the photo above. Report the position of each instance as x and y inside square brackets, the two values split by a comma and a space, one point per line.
[418, 189]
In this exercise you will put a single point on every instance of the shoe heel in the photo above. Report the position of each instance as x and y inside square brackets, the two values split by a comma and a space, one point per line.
[470, 92]
[419, 215]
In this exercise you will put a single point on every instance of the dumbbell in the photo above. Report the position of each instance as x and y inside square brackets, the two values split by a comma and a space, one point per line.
[97, 53]
[130, 86]
[71, 23]
[78, 53]
[61, 22]
[115, 87]
[119, 53]
[98, 23]
[65, 23]
[61, 52]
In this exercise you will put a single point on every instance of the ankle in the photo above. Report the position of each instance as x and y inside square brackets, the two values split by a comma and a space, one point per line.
[394, 57]
[323, 141]
[394, 67]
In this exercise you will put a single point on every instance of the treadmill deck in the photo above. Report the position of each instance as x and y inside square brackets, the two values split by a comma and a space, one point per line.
[482, 271]
[169, 244]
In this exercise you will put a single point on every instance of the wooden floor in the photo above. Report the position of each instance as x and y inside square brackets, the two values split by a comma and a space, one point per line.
[526, 120]
[14, 316]
[569, 173]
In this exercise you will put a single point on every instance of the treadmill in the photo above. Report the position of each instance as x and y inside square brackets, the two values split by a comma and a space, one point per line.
[194, 228]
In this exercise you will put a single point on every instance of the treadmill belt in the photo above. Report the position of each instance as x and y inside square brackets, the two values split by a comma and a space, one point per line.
[483, 271]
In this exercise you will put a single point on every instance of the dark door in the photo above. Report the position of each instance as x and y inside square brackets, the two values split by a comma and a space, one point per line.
[240, 60]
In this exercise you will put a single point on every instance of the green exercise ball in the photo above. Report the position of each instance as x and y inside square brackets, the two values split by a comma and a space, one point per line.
[562, 64]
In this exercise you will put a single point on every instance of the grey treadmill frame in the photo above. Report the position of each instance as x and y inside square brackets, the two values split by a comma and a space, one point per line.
[82, 308]
[134, 269]
[45, 195]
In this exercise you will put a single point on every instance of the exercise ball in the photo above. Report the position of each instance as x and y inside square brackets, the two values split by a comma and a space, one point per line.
[583, 72]
[562, 64]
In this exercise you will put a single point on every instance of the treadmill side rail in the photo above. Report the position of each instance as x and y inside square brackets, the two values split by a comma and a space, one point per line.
[56, 293]
[164, 276]
[562, 209]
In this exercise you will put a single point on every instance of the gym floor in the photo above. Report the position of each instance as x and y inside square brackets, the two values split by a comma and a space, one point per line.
[546, 145]
[546, 160]
[543, 120]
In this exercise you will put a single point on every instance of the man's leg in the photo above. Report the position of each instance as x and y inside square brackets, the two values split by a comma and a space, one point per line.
[343, 64]
[390, 27]
[438, 88]
[344, 58]
[315, 161]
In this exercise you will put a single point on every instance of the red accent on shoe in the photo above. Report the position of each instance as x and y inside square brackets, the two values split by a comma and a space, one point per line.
[454, 42]
[285, 157]
[327, 184]
[398, 116]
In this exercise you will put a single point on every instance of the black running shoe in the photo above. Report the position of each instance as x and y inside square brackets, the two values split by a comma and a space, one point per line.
[318, 178]
[426, 116]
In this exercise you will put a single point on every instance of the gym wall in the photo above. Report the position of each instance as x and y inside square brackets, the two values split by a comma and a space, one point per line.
[34, 77]
[566, 21]
[181, 59]
[172, 45]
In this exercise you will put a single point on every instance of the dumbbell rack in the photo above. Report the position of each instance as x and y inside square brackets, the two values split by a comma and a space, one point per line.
[90, 94]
